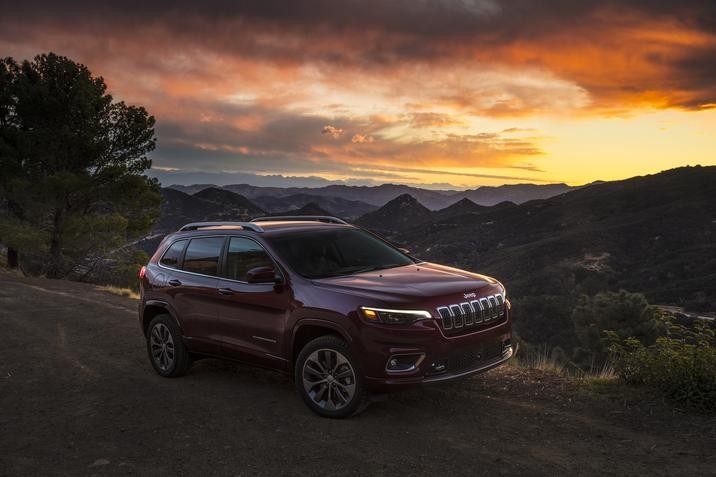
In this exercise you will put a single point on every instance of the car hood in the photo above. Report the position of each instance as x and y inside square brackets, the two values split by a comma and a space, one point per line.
[408, 283]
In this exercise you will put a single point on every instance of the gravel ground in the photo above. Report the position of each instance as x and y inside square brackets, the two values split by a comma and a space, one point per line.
[79, 397]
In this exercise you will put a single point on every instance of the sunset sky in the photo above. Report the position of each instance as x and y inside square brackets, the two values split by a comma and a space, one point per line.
[444, 93]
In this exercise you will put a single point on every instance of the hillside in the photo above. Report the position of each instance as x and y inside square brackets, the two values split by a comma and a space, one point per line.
[230, 204]
[179, 208]
[653, 234]
[462, 207]
[401, 213]
[309, 209]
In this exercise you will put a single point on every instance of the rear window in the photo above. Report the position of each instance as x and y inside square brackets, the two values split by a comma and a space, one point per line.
[202, 255]
[172, 256]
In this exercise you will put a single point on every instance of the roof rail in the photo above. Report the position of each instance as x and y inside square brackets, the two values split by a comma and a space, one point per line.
[201, 225]
[301, 218]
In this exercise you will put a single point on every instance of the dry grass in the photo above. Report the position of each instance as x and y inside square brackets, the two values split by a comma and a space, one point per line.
[542, 361]
[126, 292]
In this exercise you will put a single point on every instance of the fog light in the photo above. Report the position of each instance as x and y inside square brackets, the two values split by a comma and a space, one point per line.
[438, 366]
[404, 363]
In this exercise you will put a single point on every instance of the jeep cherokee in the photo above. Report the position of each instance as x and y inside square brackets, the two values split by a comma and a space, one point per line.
[340, 309]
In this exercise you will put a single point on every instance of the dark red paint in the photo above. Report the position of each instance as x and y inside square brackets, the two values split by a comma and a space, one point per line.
[267, 323]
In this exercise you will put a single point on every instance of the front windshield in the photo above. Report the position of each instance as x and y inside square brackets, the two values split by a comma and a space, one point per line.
[334, 252]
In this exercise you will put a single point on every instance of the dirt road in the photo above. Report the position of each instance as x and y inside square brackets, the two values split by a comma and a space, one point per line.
[78, 396]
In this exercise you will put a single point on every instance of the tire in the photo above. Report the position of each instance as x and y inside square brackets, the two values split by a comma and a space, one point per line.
[328, 378]
[166, 349]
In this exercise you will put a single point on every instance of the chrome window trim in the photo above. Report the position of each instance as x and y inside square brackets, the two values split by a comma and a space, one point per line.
[217, 276]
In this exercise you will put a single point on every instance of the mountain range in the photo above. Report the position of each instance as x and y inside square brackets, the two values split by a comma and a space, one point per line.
[654, 234]
[377, 196]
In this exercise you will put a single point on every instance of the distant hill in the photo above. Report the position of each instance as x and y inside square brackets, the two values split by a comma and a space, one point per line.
[653, 234]
[406, 212]
[516, 193]
[378, 196]
[461, 207]
[309, 209]
[210, 204]
[193, 189]
[401, 213]
[349, 209]
[230, 204]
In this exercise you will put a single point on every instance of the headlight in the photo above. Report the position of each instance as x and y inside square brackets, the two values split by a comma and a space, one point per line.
[380, 315]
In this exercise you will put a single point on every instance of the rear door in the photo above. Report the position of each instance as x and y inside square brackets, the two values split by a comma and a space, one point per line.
[193, 291]
[252, 317]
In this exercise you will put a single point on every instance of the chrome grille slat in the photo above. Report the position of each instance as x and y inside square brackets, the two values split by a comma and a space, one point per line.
[446, 316]
[485, 304]
[466, 313]
[477, 311]
[493, 307]
[456, 316]
[467, 316]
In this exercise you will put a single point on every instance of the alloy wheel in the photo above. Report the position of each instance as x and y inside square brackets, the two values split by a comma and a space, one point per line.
[162, 346]
[329, 379]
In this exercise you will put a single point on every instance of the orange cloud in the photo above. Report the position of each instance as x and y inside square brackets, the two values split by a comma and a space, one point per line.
[361, 138]
[249, 85]
[332, 131]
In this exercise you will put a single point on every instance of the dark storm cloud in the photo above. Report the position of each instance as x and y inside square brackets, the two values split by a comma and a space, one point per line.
[378, 33]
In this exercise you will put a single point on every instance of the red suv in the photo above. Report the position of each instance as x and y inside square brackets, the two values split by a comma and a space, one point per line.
[342, 310]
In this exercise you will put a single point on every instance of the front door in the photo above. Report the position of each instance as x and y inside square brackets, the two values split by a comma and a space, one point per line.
[251, 316]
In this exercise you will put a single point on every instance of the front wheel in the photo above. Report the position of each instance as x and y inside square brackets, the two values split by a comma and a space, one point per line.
[328, 379]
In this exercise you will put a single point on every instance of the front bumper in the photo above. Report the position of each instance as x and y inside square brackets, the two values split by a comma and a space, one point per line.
[482, 367]
[442, 358]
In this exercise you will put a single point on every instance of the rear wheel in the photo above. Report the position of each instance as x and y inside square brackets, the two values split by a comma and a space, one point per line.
[165, 347]
[328, 379]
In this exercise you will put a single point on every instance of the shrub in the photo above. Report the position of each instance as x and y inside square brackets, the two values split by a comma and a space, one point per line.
[681, 365]
[626, 314]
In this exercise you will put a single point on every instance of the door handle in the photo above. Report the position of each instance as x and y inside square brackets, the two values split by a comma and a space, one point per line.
[174, 283]
[226, 291]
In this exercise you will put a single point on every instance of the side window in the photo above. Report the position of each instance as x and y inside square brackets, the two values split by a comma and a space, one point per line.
[243, 255]
[172, 256]
[202, 255]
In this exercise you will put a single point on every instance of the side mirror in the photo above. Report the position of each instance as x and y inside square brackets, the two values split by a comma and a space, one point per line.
[263, 275]
[405, 251]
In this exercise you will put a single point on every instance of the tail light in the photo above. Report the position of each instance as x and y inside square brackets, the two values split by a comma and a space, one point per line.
[142, 272]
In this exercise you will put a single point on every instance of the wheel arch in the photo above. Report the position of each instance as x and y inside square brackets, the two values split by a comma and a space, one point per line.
[153, 308]
[309, 329]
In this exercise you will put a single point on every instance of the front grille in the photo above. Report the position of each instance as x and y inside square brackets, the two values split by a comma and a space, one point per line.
[469, 316]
